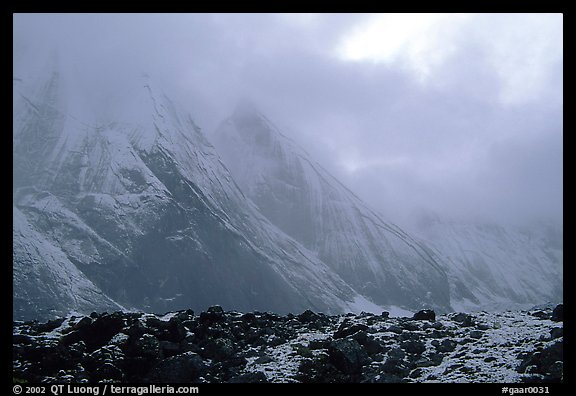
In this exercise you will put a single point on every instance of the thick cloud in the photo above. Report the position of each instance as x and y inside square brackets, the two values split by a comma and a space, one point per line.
[460, 115]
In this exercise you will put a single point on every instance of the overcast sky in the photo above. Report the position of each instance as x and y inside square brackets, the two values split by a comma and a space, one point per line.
[456, 114]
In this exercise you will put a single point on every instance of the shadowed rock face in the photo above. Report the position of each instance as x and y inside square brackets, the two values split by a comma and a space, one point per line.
[228, 346]
[143, 215]
[377, 258]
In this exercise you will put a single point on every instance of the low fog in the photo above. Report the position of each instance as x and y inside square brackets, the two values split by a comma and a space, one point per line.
[457, 115]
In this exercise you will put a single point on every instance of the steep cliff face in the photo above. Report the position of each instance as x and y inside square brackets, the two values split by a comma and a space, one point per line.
[147, 216]
[438, 263]
[377, 258]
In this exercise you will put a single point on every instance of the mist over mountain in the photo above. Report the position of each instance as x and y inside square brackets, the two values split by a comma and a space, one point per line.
[309, 198]
[377, 258]
[137, 210]
[439, 263]
[143, 216]
[382, 162]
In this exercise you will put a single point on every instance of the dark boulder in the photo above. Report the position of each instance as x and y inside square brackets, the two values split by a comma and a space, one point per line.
[556, 332]
[53, 357]
[111, 355]
[308, 317]
[185, 315]
[395, 329]
[212, 314]
[108, 371]
[446, 345]
[540, 314]
[248, 318]
[216, 310]
[78, 350]
[183, 368]
[465, 320]
[558, 313]
[147, 346]
[22, 339]
[174, 331]
[410, 326]
[219, 349]
[347, 355]
[97, 333]
[169, 348]
[407, 336]
[137, 330]
[544, 362]
[155, 323]
[426, 314]
[318, 344]
[396, 353]
[320, 370]
[437, 325]
[413, 347]
[238, 361]
[372, 346]
[436, 358]
[395, 366]
[85, 321]
[345, 330]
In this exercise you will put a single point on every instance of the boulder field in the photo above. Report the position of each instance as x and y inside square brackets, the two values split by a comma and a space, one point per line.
[218, 346]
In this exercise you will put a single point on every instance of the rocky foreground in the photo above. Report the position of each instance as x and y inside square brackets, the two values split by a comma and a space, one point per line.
[219, 346]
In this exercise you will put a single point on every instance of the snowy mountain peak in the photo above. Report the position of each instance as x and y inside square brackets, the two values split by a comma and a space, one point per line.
[138, 209]
[439, 263]
[141, 213]
[296, 194]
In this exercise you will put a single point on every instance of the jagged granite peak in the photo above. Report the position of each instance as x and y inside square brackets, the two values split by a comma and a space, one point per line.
[147, 214]
[377, 258]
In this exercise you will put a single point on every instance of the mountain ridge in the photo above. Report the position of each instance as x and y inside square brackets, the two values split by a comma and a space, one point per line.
[150, 214]
[268, 166]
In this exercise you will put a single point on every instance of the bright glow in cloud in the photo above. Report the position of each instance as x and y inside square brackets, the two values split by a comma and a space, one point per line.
[517, 46]
[481, 133]
[420, 40]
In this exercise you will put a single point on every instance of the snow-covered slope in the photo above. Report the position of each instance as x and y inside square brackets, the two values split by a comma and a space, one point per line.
[377, 258]
[439, 264]
[46, 282]
[146, 214]
[502, 267]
